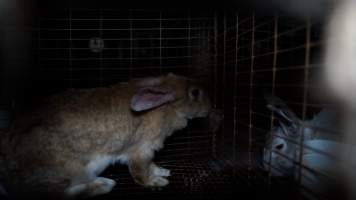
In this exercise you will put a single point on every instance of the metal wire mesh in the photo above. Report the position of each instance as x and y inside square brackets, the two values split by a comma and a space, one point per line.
[245, 55]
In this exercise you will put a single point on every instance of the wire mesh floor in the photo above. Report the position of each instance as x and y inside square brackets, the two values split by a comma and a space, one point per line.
[200, 179]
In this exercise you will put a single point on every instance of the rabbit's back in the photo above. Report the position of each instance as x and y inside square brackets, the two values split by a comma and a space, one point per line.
[65, 132]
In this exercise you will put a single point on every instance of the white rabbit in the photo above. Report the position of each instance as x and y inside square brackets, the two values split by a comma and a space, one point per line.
[320, 172]
[316, 168]
[280, 152]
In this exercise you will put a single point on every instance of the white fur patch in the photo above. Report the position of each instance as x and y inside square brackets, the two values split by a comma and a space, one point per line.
[75, 190]
[98, 186]
[106, 185]
[158, 181]
[159, 171]
[100, 163]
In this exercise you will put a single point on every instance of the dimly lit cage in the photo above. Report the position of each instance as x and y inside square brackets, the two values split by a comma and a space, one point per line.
[244, 55]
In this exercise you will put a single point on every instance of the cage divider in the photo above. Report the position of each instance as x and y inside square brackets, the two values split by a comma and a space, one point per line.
[222, 42]
[250, 98]
[160, 42]
[70, 50]
[223, 80]
[235, 130]
[131, 44]
[305, 93]
[214, 148]
[101, 52]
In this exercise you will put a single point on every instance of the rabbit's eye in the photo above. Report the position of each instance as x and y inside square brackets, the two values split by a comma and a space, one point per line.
[279, 147]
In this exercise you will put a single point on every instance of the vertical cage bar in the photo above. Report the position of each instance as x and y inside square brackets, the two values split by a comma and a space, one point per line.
[223, 80]
[215, 73]
[160, 42]
[101, 71]
[235, 131]
[189, 40]
[251, 99]
[207, 38]
[189, 61]
[274, 69]
[131, 44]
[70, 48]
[305, 97]
[39, 43]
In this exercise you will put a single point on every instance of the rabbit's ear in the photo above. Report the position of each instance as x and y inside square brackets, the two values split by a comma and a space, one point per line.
[289, 122]
[290, 129]
[150, 97]
[275, 104]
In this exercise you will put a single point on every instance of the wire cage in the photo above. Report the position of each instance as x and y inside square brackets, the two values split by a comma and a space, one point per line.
[244, 55]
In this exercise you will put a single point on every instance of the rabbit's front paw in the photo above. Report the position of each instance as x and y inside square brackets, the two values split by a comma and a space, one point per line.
[99, 186]
[160, 171]
[102, 186]
[158, 181]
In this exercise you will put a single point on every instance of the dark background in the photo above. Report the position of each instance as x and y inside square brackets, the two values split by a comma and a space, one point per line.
[243, 50]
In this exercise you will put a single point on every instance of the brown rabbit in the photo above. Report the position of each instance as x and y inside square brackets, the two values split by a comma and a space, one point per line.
[63, 146]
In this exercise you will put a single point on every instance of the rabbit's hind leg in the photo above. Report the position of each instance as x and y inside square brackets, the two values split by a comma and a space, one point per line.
[96, 187]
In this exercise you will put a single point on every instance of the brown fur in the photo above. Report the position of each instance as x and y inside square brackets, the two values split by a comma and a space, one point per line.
[52, 146]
